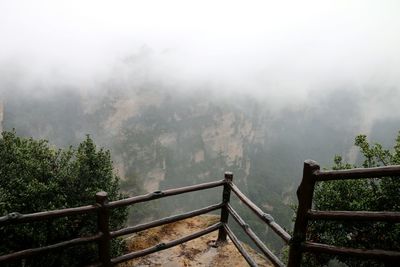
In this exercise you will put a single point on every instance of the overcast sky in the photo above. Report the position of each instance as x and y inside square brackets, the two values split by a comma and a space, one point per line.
[274, 47]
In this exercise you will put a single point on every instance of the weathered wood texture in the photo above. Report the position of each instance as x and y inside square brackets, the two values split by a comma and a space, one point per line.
[15, 217]
[35, 251]
[226, 195]
[304, 195]
[239, 246]
[267, 218]
[246, 228]
[104, 236]
[384, 255]
[383, 216]
[103, 221]
[360, 173]
[298, 243]
[171, 219]
[165, 193]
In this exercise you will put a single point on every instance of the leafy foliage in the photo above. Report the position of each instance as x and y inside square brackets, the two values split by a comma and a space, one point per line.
[36, 177]
[365, 194]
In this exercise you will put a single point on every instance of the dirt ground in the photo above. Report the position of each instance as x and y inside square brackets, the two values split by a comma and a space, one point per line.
[198, 252]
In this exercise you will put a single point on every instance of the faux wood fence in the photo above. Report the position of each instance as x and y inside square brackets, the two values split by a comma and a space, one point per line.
[313, 174]
[104, 235]
[298, 244]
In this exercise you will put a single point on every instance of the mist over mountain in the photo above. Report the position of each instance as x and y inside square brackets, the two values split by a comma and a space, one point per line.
[182, 92]
[162, 137]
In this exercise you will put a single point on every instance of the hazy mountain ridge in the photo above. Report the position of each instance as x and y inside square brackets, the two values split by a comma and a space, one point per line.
[161, 139]
[178, 99]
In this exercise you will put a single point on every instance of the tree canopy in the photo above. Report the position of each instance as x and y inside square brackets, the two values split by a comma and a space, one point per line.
[34, 177]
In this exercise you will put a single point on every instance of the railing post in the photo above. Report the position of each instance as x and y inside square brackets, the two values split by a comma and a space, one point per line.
[226, 194]
[103, 217]
[304, 195]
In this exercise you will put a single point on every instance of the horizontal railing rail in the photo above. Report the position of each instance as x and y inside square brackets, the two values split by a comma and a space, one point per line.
[166, 245]
[36, 251]
[378, 254]
[383, 216]
[313, 174]
[298, 243]
[15, 217]
[163, 221]
[357, 173]
[104, 236]
[161, 194]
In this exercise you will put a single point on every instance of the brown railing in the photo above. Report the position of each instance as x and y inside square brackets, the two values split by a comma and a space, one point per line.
[298, 243]
[313, 174]
[267, 218]
[104, 235]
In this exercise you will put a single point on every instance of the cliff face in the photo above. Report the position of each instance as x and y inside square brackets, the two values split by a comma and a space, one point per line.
[198, 252]
[161, 138]
[164, 140]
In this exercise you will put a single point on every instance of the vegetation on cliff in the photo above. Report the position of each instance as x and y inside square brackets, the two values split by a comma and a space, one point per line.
[34, 177]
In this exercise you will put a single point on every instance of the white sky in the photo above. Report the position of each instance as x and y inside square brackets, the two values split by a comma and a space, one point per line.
[277, 47]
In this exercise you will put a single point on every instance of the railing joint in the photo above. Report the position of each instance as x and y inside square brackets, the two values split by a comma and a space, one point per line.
[158, 193]
[14, 215]
[268, 217]
[160, 246]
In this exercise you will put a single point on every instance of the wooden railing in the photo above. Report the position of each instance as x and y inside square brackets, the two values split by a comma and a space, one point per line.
[313, 174]
[104, 236]
[267, 218]
[298, 243]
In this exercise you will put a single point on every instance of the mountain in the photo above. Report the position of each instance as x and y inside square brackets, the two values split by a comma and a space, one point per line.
[161, 137]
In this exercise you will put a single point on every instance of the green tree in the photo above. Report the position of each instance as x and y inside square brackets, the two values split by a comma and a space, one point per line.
[37, 177]
[365, 194]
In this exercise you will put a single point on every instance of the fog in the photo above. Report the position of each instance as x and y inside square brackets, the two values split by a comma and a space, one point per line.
[286, 54]
[181, 91]
[274, 50]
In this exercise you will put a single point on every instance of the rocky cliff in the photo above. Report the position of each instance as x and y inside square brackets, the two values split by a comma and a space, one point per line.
[161, 138]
